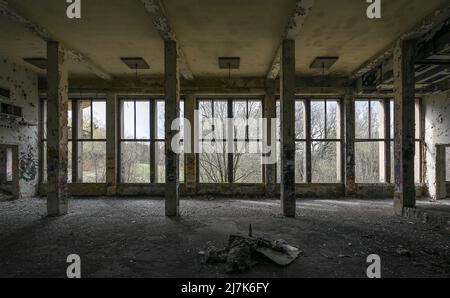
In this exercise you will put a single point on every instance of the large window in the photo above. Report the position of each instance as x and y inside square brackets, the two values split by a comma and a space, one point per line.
[418, 157]
[374, 141]
[142, 145]
[370, 141]
[326, 142]
[323, 137]
[230, 152]
[90, 141]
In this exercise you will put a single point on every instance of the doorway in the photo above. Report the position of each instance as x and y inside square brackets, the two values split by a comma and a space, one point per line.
[9, 172]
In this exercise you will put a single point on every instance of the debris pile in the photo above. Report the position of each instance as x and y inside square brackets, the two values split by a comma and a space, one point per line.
[242, 253]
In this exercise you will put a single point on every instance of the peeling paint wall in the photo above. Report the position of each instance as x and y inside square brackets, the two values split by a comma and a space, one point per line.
[437, 131]
[23, 86]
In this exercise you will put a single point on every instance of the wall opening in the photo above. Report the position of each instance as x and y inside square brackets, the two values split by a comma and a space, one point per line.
[9, 172]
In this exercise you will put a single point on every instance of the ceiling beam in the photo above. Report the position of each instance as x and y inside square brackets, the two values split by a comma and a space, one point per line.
[8, 12]
[293, 28]
[426, 29]
[157, 12]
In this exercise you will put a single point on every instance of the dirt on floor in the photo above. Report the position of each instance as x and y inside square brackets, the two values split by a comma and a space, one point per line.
[131, 237]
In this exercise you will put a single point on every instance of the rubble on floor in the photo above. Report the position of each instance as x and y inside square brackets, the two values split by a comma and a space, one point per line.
[242, 253]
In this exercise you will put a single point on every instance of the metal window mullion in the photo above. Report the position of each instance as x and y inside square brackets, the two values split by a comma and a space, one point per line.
[152, 141]
[92, 119]
[119, 140]
[342, 137]
[387, 137]
[74, 156]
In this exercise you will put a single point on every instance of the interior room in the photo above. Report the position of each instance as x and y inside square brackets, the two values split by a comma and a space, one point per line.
[141, 134]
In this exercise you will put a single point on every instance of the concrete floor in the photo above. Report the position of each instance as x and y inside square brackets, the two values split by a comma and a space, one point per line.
[131, 237]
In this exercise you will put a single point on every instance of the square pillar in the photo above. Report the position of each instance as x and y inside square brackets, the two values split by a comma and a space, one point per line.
[404, 124]
[15, 190]
[349, 111]
[191, 157]
[270, 113]
[111, 144]
[287, 88]
[172, 112]
[441, 183]
[57, 100]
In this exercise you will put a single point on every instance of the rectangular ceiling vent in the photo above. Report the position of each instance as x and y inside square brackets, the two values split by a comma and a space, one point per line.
[135, 63]
[324, 62]
[40, 63]
[229, 62]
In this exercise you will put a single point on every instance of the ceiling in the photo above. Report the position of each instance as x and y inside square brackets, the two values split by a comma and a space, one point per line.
[207, 29]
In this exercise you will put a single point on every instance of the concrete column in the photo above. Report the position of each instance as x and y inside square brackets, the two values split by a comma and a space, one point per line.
[441, 184]
[57, 85]
[15, 173]
[111, 144]
[404, 98]
[349, 144]
[270, 113]
[172, 112]
[190, 158]
[287, 90]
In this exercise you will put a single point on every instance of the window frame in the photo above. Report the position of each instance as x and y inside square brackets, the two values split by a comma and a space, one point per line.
[74, 140]
[154, 141]
[385, 140]
[307, 141]
[230, 115]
